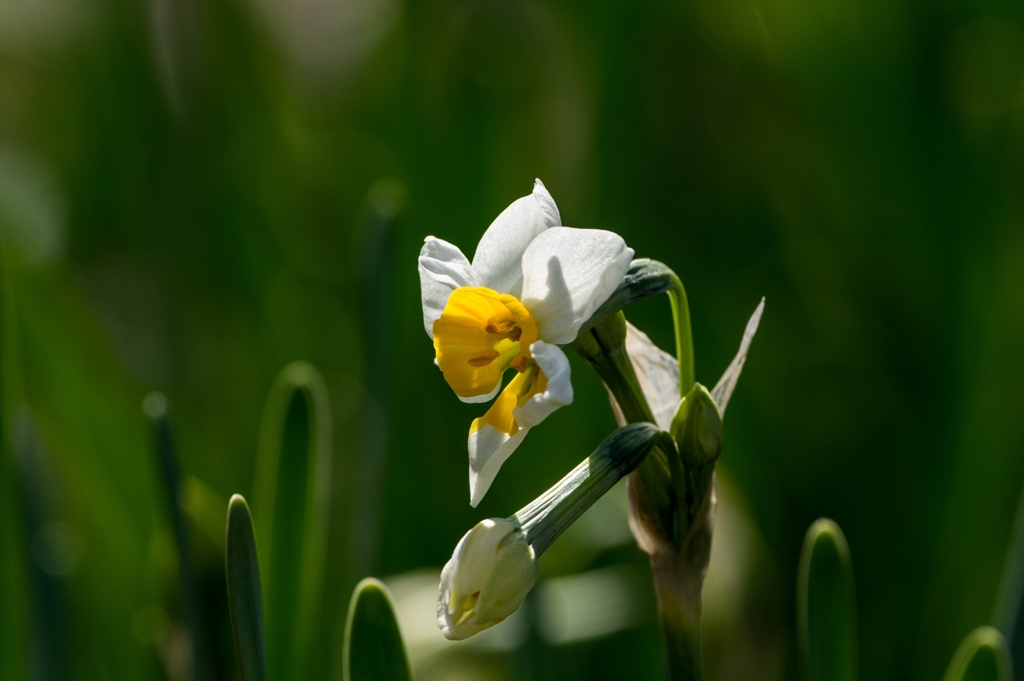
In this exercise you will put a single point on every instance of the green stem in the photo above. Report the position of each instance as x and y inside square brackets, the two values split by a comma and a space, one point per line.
[604, 347]
[545, 518]
[677, 565]
[679, 608]
[684, 334]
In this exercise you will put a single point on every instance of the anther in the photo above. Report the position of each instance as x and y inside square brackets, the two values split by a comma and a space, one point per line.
[500, 326]
[519, 363]
[483, 358]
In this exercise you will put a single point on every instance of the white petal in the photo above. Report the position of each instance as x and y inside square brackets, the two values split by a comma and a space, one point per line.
[555, 365]
[567, 274]
[498, 259]
[488, 449]
[727, 383]
[547, 204]
[443, 268]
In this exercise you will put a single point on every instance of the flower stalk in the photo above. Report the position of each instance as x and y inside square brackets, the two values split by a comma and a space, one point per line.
[671, 493]
[646, 277]
[653, 493]
[545, 518]
[684, 333]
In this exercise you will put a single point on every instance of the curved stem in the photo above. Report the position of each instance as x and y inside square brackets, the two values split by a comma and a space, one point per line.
[684, 334]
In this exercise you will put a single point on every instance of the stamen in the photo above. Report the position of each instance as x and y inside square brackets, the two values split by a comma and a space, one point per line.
[500, 326]
[520, 363]
[483, 358]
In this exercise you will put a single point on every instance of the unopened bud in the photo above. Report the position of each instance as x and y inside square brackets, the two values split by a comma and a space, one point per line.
[486, 580]
[697, 429]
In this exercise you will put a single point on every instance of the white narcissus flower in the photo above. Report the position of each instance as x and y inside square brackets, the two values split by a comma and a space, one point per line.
[490, 573]
[529, 288]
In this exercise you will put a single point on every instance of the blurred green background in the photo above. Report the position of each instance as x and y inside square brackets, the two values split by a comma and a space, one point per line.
[194, 194]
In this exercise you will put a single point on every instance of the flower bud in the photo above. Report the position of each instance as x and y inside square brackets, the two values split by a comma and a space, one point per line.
[486, 580]
[697, 429]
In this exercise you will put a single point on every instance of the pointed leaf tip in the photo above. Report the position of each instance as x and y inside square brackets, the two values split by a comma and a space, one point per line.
[373, 648]
[245, 600]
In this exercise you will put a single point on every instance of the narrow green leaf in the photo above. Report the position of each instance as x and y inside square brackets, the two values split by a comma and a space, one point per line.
[373, 648]
[291, 500]
[244, 597]
[983, 656]
[826, 610]
[155, 407]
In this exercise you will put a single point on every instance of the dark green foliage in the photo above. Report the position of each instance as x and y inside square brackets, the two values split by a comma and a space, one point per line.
[826, 610]
[373, 648]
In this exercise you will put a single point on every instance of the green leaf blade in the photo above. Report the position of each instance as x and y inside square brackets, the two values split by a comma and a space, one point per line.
[826, 608]
[292, 502]
[245, 598]
[373, 648]
[155, 407]
[982, 656]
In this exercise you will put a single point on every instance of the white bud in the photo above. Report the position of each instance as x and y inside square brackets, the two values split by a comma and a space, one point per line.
[486, 580]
